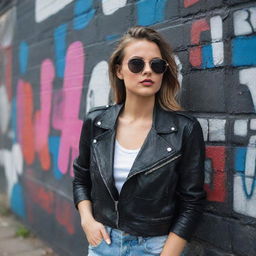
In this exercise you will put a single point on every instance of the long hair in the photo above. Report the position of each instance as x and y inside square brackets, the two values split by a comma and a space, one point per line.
[167, 95]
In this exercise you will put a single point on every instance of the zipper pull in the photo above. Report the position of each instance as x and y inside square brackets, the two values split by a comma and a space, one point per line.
[117, 214]
[116, 203]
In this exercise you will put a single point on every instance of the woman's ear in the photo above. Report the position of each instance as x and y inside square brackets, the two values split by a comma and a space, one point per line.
[119, 73]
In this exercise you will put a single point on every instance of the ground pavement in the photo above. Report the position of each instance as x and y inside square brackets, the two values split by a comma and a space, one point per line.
[17, 240]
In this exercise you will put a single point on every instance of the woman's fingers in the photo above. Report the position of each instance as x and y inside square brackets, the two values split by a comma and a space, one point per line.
[94, 238]
[105, 235]
[95, 241]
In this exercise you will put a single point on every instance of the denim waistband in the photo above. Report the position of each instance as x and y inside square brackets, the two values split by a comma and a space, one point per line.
[117, 233]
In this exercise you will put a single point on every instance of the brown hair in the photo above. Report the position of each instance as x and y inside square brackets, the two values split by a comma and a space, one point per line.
[167, 95]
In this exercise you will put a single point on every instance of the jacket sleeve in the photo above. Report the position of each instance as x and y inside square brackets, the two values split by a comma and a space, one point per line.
[82, 179]
[190, 188]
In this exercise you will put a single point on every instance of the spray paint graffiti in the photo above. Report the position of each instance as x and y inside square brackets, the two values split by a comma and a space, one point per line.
[12, 161]
[5, 107]
[70, 126]
[98, 91]
[244, 21]
[207, 56]
[243, 54]
[26, 134]
[60, 34]
[243, 51]
[42, 116]
[34, 126]
[245, 176]
[188, 3]
[111, 6]
[150, 11]
[245, 179]
[215, 174]
[7, 24]
[47, 200]
[46, 8]
[247, 77]
[83, 13]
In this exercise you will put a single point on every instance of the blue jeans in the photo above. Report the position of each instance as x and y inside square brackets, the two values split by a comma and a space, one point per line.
[124, 244]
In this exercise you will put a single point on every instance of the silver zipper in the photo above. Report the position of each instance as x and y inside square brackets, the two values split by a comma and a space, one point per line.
[115, 202]
[161, 165]
[116, 208]
[150, 170]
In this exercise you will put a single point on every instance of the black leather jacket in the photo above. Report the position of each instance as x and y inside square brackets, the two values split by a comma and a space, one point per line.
[164, 190]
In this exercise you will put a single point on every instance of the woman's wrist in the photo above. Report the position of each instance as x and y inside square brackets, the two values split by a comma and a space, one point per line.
[174, 245]
[85, 211]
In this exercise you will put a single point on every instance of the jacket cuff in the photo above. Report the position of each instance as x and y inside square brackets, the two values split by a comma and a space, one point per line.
[185, 227]
[81, 184]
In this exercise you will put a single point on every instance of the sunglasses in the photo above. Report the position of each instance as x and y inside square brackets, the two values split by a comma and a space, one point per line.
[136, 65]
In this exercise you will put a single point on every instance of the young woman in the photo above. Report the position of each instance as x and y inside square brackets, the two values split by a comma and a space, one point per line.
[139, 175]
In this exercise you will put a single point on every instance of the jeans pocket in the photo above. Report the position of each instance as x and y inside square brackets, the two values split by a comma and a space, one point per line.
[154, 245]
[108, 229]
[96, 246]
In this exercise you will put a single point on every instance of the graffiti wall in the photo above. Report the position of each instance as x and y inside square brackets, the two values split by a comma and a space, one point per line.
[53, 55]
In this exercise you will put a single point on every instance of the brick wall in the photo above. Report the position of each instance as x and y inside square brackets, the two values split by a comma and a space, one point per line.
[53, 55]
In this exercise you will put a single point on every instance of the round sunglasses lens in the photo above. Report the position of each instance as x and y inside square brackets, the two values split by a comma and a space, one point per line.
[158, 66]
[136, 65]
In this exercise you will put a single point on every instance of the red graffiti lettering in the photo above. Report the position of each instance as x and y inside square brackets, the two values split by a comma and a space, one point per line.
[188, 3]
[195, 54]
[25, 120]
[40, 196]
[216, 190]
[64, 214]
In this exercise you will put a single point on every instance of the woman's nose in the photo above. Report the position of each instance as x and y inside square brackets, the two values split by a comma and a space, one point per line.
[147, 68]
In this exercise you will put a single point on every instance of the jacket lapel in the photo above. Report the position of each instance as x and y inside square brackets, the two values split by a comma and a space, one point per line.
[104, 153]
[104, 146]
[155, 148]
[153, 151]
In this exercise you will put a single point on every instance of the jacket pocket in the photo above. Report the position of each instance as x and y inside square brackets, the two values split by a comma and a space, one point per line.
[158, 180]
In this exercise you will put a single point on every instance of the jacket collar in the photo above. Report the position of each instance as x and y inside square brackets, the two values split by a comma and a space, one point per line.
[161, 118]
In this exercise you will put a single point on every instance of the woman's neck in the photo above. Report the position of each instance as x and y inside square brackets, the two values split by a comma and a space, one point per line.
[138, 108]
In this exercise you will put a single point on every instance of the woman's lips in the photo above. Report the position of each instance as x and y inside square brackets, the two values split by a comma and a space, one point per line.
[147, 82]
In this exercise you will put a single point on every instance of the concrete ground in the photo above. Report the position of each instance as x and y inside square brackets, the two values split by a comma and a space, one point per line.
[17, 240]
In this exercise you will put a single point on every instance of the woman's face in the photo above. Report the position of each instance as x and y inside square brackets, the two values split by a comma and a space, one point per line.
[134, 84]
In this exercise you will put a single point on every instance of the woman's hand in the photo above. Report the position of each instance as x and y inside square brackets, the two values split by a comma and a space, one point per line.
[174, 245]
[95, 232]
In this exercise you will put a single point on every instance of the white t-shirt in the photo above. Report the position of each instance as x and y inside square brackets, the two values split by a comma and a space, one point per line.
[123, 161]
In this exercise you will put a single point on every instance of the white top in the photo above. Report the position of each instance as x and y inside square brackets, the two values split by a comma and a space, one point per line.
[123, 161]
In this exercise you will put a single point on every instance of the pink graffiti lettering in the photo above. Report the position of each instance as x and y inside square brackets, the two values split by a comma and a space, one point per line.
[69, 124]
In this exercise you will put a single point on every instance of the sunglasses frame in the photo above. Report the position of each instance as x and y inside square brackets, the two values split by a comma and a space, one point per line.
[150, 63]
